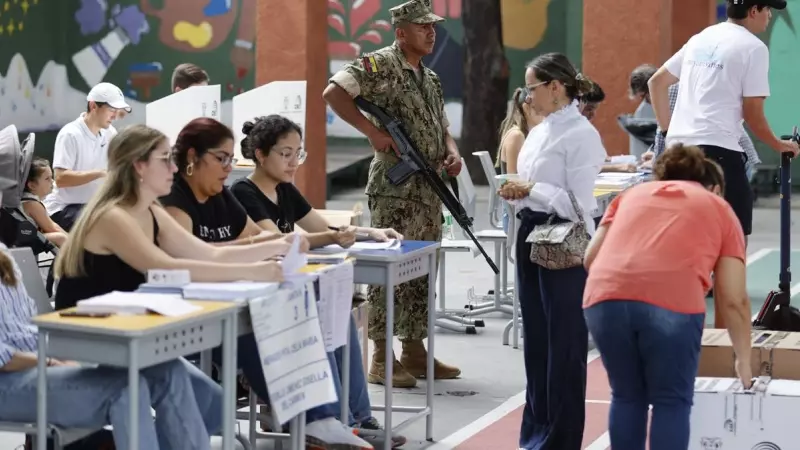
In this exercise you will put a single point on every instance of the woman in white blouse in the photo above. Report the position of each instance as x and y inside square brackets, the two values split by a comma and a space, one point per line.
[564, 153]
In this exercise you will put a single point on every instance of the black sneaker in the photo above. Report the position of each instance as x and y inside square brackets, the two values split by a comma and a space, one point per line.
[372, 431]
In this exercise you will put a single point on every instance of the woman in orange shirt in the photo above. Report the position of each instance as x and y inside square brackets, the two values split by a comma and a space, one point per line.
[649, 269]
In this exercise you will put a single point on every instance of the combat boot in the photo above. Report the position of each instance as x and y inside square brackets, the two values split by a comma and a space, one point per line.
[414, 358]
[377, 370]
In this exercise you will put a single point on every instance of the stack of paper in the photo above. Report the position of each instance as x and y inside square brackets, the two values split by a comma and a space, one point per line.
[391, 244]
[616, 181]
[228, 291]
[136, 303]
[327, 258]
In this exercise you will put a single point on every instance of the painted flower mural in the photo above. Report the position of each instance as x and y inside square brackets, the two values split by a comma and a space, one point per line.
[354, 23]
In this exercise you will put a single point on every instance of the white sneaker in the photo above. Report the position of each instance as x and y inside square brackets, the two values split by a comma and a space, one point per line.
[331, 434]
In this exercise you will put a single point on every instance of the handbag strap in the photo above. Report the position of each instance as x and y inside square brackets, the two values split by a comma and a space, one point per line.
[576, 206]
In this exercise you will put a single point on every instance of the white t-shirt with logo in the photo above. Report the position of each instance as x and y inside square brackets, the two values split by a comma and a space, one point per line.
[717, 68]
[77, 148]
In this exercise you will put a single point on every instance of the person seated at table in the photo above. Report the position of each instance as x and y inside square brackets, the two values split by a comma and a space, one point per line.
[274, 143]
[201, 203]
[122, 233]
[188, 404]
[37, 186]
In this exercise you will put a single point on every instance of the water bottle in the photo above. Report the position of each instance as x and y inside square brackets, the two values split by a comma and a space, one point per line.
[447, 227]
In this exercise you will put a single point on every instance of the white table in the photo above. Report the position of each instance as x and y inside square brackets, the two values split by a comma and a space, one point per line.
[138, 342]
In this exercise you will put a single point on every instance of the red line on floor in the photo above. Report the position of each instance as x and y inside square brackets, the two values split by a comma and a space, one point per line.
[504, 434]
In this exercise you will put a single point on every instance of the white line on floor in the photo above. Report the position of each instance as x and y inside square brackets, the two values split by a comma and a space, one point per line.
[489, 418]
[755, 256]
[601, 443]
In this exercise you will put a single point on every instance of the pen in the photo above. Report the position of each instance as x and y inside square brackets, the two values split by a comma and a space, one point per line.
[359, 235]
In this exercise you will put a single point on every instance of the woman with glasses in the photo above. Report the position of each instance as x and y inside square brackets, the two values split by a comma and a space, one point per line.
[203, 205]
[559, 162]
[274, 143]
[199, 199]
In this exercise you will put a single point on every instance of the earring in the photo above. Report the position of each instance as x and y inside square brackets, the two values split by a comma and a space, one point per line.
[141, 180]
[190, 169]
[555, 102]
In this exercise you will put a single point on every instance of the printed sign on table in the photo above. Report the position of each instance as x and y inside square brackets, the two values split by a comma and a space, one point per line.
[171, 113]
[292, 351]
[287, 98]
[336, 290]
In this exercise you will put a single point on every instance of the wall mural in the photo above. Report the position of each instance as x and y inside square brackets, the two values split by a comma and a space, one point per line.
[53, 51]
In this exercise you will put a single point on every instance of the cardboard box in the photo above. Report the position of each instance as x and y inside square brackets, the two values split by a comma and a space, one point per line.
[775, 354]
[361, 318]
[726, 417]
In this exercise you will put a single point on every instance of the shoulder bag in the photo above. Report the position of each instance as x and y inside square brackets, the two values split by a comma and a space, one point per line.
[562, 245]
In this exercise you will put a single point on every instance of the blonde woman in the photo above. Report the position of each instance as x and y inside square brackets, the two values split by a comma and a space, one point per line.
[520, 119]
[94, 260]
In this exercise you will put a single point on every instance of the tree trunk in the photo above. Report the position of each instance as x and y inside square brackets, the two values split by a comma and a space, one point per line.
[485, 82]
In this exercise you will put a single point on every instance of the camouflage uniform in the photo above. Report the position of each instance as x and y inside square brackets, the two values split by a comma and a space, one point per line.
[385, 78]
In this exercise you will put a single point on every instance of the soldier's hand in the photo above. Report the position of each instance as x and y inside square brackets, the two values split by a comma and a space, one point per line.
[382, 142]
[452, 165]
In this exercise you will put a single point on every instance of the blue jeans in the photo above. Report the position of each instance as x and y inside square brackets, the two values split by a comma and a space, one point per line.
[188, 404]
[360, 408]
[556, 346]
[651, 356]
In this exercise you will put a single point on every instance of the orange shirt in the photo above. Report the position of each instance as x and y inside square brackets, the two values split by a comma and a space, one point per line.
[664, 239]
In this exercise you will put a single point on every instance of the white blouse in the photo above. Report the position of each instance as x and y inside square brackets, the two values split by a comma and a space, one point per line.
[562, 153]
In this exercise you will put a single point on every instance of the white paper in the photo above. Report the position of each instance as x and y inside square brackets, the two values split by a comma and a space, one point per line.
[171, 113]
[391, 244]
[131, 302]
[292, 351]
[335, 302]
[228, 291]
[287, 98]
[294, 260]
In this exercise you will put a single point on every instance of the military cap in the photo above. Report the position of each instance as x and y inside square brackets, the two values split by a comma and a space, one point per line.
[414, 11]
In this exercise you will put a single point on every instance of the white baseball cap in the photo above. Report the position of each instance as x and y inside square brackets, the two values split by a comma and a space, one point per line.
[109, 94]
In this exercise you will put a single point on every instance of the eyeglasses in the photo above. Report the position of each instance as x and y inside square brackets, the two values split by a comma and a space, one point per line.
[226, 161]
[299, 156]
[168, 158]
[527, 90]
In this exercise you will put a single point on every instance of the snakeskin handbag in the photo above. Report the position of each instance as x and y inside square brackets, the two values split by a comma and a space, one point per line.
[562, 245]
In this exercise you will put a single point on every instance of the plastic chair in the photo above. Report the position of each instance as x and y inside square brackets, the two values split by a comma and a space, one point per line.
[495, 202]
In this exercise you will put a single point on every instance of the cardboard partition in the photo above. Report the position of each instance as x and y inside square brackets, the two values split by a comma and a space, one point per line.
[171, 113]
[286, 98]
[774, 353]
[727, 417]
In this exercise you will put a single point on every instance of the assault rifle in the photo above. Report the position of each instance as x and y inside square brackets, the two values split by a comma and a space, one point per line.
[412, 162]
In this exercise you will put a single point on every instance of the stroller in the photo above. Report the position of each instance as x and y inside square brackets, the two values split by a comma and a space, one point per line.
[16, 230]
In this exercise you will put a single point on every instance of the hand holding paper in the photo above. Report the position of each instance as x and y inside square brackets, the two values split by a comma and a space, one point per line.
[294, 260]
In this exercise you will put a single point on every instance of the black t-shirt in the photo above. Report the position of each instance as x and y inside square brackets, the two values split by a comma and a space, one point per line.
[291, 207]
[220, 219]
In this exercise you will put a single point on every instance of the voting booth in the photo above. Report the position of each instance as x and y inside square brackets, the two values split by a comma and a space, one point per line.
[287, 98]
[170, 114]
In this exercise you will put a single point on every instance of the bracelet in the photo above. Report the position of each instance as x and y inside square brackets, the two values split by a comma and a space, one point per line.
[251, 239]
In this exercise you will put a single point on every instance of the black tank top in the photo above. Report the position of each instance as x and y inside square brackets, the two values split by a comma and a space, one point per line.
[104, 273]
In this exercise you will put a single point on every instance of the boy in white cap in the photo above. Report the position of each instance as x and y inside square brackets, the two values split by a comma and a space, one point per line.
[80, 155]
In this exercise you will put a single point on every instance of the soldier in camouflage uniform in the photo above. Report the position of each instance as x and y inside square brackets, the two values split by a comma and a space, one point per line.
[395, 79]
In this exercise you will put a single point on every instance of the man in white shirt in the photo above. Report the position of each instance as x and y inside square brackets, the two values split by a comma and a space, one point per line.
[723, 72]
[80, 156]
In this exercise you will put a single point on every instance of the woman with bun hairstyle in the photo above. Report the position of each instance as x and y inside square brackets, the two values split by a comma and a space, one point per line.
[274, 143]
[646, 309]
[269, 196]
[561, 155]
